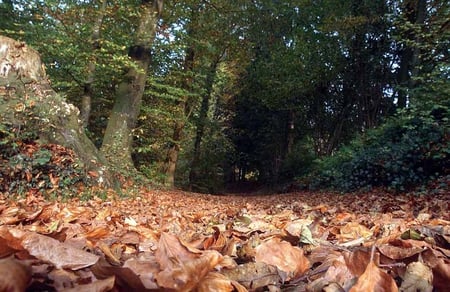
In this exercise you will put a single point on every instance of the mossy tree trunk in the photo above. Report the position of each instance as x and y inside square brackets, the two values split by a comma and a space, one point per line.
[28, 103]
[118, 138]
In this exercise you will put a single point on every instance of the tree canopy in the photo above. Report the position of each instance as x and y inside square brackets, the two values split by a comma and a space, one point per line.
[208, 94]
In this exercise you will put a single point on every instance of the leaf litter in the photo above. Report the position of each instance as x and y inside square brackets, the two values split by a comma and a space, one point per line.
[178, 241]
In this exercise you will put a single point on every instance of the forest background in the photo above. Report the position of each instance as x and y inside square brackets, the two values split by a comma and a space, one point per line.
[208, 95]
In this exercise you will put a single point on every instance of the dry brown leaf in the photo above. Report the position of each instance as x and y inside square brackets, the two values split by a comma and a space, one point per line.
[145, 270]
[333, 287]
[254, 275]
[324, 255]
[440, 268]
[247, 250]
[97, 233]
[126, 279]
[49, 212]
[357, 261]
[14, 276]
[8, 242]
[104, 214]
[218, 282]
[398, 253]
[62, 279]
[171, 252]
[354, 230]
[283, 255]
[59, 254]
[296, 227]
[339, 273]
[83, 224]
[374, 280]
[418, 278]
[343, 217]
[186, 275]
[217, 241]
[231, 248]
[97, 286]
[110, 255]
[131, 237]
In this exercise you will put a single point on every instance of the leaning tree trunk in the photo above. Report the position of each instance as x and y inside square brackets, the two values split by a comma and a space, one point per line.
[117, 142]
[28, 102]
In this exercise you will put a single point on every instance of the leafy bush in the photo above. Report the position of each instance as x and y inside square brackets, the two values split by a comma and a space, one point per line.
[299, 161]
[407, 151]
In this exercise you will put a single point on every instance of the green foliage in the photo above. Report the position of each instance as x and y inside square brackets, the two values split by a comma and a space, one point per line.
[406, 152]
[299, 161]
[216, 150]
[329, 67]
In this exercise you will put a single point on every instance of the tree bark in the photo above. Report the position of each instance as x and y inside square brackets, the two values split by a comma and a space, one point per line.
[28, 102]
[118, 138]
[186, 105]
[86, 99]
[290, 136]
[194, 172]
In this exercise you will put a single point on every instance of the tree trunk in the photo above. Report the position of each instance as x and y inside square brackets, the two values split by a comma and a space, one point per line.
[86, 99]
[186, 104]
[117, 142]
[172, 154]
[194, 172]
[414, 12]
[290, 137]
[29, 103]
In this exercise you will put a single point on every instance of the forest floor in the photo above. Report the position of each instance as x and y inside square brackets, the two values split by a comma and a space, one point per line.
[180, 241]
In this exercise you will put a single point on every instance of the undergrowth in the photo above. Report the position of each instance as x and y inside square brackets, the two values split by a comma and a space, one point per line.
[409, 151]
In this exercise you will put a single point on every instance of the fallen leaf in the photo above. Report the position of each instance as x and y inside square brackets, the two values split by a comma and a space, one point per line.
[145, 270]
[218, 282]
[354, 230]
[217, 241]
[110, 255]
[357, 261]
[374, 280]
[125, 278]
[440, 267]
[15, 276]
[299, 228]
[283, 255]
[418, 278]
[96, 286]
[254, 275]
[59, 254]
[186, 275]
[394, 252]
[171, 252]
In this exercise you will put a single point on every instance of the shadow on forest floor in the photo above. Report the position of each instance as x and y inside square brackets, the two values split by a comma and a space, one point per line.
[248, 188]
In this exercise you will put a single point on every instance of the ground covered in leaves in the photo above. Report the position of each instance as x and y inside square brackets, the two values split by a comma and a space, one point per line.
[178, 241]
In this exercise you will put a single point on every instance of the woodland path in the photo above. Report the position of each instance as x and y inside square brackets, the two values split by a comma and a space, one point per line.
[187, 241]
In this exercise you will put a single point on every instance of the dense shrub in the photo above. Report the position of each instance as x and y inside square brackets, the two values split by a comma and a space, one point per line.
[407, 151]
[298, 162]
